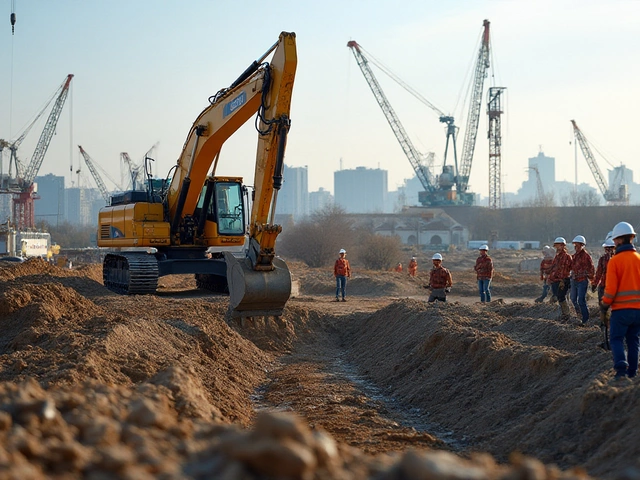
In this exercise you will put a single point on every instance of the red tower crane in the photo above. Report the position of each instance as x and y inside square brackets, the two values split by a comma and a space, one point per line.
[23, 201]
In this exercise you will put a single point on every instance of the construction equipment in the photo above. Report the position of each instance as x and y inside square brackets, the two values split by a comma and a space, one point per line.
[96, 176]
[539, 187]
[494, 111]
[617, 194]
[23, 188]
[201, 215]
[440, 191]
[416, 159]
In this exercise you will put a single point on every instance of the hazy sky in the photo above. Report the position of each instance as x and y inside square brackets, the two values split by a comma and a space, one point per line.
[145, 68]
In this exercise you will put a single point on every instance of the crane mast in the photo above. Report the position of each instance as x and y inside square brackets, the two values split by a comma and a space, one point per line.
[539, 186]
[415, 158]
[96, 176]
[471, 132]
[23, 201]
[494, 110]
[609, 196]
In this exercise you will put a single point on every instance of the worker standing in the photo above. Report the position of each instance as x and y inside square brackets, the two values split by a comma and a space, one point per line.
[484, 273]
[342, 271]
[599, 283]
[622, 295]
[545, 269]
[560, 275]
[582, 272]
[440, 280]
[398, 267]
[413, 267]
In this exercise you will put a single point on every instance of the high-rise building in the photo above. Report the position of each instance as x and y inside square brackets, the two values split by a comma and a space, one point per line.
[363, 190]
[79, 203]
[50, 207]
[293, 198]
[319, 200]
[546, 167]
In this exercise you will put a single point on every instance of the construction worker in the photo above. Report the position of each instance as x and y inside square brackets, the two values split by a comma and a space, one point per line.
[545, 269]
[484, 273]
[342, 271]
[559, 277]
[599, 283]
[413, 267]
[398, 267]
[582, 272]
[440, 281]
[622, 295]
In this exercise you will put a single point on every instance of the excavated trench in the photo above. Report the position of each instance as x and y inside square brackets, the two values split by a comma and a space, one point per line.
[92, 383]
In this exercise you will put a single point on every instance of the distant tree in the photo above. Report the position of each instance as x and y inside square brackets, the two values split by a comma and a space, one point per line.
[317, 239]
[581, 198]
[380, 252]
[71, 236]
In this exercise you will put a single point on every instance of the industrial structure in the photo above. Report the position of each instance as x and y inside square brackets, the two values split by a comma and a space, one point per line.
[494, 111]
[96, 176]
[22, 187]
[438, 191]
[616, 194]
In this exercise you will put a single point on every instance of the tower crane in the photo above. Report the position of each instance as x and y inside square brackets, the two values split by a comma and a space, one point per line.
[615, 197]
[469, 145]
[451, 130]
[96, 176]
[494, 110]
[23, 201]
[134, 170]
[415, 158]
[442, 192]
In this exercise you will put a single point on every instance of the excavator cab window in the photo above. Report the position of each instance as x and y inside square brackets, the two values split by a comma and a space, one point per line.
[225, 208]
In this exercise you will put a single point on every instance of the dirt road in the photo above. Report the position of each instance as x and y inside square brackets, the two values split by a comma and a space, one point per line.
[383, 386]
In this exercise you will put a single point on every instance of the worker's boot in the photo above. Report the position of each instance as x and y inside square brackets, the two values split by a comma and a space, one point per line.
[565, 311]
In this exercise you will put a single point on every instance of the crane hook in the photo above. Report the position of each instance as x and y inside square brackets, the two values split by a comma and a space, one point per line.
[13, 23]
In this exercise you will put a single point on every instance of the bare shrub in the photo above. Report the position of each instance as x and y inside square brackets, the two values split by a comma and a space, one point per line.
[379, 252]
[317, 239]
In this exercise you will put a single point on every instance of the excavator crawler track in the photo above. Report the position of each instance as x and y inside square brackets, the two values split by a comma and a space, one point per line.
[130, 273]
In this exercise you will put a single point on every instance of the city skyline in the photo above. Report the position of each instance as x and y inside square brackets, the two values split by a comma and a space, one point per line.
[142, 86]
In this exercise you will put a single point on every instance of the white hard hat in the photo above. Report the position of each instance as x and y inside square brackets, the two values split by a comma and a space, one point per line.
[413, 258]
[342, 250]
[436, 256]
[609, 243]
[484, 247]
[621, 229]
[560, 240]
[579, 239]
[610, 234]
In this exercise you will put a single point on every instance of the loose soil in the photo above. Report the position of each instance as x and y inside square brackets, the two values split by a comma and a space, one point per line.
[383, 386]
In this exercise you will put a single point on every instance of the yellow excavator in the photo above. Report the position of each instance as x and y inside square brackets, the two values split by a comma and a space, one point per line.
[207, 225]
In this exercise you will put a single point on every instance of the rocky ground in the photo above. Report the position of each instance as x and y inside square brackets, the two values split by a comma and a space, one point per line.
[383, 386]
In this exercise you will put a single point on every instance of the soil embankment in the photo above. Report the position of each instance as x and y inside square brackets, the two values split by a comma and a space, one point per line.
[97, 385]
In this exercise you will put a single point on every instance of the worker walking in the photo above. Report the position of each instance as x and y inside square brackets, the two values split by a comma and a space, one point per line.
[582, 272]
[484, 273]
[545, 269]
[413, 267]
[622, 295]
[598, 283]
[342, 271]
[560, 275]
[440, 280]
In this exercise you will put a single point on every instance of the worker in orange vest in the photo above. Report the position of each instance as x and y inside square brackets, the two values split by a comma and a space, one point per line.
[413, 267]
[622, 295]
[398, 267]
[342, 271]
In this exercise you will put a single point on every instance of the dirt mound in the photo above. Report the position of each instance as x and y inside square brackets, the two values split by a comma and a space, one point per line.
[97, 385]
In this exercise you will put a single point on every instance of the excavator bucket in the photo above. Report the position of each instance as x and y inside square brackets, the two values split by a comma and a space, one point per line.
[256, 293]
